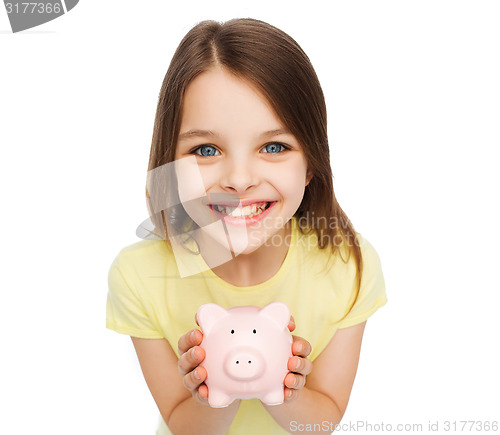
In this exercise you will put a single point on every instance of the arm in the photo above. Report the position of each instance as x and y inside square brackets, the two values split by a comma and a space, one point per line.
[182, 413]
[329, 384]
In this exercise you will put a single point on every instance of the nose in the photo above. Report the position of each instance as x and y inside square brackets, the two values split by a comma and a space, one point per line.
[239, 175]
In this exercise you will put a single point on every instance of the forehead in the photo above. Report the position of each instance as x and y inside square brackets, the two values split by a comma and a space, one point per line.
[217, 98]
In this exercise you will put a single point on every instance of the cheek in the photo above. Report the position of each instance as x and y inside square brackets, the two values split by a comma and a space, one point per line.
[189, 179]
[290, 179]
[210, 175]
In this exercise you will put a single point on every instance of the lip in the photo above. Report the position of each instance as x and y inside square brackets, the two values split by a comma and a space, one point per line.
[244, 221]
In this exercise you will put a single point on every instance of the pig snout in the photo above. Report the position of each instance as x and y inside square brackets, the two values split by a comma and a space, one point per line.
[244, 364]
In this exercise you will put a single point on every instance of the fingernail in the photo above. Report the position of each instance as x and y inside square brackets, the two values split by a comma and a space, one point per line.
[298, 364]
[290, 393]
[196, 375]
[192, 336]
[193, 354]
[300, 347]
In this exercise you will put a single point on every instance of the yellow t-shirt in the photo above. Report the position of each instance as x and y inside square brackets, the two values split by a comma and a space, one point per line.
[148, 299]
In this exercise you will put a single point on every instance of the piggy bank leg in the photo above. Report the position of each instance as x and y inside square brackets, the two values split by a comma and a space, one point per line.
[275, 397]
[218, 399]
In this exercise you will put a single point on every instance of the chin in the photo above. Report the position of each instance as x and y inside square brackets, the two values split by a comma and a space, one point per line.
[250, 249]
[243, 243]
[244, 249]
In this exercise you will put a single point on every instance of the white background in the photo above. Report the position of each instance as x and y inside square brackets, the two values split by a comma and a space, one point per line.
[413, 99]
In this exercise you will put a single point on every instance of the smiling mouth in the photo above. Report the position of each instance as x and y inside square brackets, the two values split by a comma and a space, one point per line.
[246, 212]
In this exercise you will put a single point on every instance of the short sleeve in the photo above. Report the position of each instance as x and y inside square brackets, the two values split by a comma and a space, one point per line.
[372, 294]
[125, 313]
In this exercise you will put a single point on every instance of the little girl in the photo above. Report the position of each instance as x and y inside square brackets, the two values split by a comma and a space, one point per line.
[241, 108]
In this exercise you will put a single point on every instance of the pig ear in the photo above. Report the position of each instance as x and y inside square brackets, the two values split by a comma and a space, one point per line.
[208, 315]
[278, 312]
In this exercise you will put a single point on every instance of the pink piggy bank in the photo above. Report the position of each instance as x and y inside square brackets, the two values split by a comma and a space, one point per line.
[246, 352]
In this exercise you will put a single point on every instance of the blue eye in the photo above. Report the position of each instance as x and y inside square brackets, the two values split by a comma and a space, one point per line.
[274, 148]
[202, 148]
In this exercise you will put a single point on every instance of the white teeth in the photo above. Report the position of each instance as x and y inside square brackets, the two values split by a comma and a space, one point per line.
[242, 212]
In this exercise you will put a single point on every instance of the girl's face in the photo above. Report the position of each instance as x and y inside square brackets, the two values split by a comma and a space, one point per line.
[246, 159]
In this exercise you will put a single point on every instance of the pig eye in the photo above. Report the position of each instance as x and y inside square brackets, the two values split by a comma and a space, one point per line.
[232, 331]
[255, 331]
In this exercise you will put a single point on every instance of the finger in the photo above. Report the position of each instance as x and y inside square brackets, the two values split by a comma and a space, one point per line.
[190, 359]
[290, 394]
[291, 324]
[295, 381]
[200, 395]
[300, 346]
[203, 391]
[195, 378]
[300, 365]
[188, 340]
[196, 318]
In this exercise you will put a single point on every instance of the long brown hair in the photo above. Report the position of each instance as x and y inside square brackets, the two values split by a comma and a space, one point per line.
[275, 64]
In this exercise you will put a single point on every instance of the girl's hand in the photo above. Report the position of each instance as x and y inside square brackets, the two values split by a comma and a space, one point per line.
[298, 365]
[190, 356]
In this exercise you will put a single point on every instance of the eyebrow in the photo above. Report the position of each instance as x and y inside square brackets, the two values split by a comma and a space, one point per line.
[210, 133]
